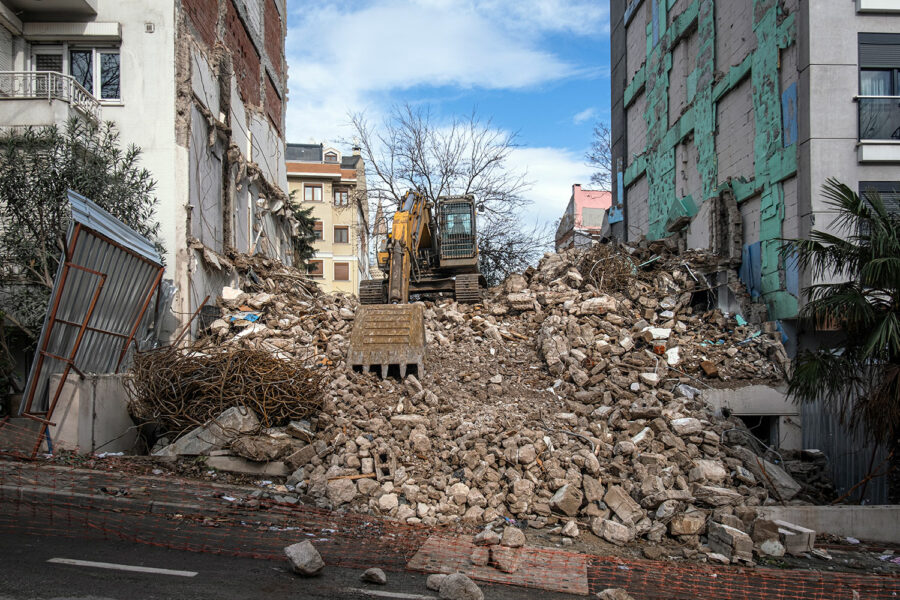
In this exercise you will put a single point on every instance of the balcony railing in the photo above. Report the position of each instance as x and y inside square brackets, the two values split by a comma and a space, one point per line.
[48, 85]
[879, 117]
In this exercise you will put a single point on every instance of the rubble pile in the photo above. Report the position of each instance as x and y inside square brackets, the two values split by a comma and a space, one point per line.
[280, 311]
[568, 401]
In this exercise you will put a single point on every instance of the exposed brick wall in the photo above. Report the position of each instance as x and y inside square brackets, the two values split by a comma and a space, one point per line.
[274, 36]
[273, 104]
[244, 54]
[204, 15]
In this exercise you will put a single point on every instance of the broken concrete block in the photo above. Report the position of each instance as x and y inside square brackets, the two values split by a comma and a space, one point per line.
[304, 558]
[795, 539]
[618, 501]
[567, 499]
[433, 582]
[374, 576]
[480, 556]
[214, 434]
[612, 532]
[512, 537]
[614, 594]
[236, 464]
[689, 523]
[730, 542]
[505, 559]
[459, 587]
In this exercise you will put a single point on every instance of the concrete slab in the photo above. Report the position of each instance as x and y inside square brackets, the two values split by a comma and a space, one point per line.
[539, 568]
[868, 523]
[236, 464]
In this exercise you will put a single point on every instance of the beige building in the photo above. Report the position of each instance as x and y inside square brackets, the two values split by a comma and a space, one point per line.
[335, 187]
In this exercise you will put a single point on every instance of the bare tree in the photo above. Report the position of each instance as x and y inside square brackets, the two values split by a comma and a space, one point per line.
[600, 157]
[410, 150]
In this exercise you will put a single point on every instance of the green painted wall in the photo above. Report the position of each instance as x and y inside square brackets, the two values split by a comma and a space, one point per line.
[774, 162]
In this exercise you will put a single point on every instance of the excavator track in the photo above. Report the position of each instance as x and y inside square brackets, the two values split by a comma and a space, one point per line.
[468, 289]
[386, 337]
[371, 291]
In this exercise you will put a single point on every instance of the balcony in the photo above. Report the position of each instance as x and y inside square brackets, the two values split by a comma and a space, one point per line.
[879, 129]
[35, 98]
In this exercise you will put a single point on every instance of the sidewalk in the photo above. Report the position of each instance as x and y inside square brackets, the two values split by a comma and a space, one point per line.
[228, 519]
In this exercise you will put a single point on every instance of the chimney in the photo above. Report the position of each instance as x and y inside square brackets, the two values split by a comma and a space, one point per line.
[356, 150]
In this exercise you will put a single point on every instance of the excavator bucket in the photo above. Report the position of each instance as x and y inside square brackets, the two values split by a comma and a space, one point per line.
[388, 336]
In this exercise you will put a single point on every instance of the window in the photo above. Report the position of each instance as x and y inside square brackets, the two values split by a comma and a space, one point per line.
[879, 86]
[317, 230]
[341, 197]
[341, 271]
[888, 191]
[315, 268]
[312, 193]
[341, 235]
[331, 157]
[97, 71]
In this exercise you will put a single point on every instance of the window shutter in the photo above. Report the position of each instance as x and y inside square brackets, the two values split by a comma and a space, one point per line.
[879, 50]
[341, 271]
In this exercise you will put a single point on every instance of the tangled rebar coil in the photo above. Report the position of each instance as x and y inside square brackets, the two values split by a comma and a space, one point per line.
[181, 388]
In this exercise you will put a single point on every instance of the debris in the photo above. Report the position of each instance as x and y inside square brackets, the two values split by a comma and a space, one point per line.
[505, 559]
[433, 582]
[374, 576]
[304, 558]
[512, 537]
[459, 587]
[614, 594]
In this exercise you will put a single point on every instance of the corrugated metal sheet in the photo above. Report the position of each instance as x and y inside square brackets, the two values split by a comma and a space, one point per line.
[849, 455]
[101, 295]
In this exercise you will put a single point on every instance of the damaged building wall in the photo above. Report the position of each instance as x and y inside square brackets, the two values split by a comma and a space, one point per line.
[704, 126]
[231, 89]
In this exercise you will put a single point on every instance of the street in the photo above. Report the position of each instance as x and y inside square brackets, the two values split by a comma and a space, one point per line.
[28, 574]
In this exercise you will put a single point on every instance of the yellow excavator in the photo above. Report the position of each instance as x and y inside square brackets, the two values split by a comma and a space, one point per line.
[430, 250]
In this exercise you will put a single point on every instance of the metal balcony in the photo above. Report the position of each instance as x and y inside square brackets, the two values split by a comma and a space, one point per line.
[879, 118]
[49, 86]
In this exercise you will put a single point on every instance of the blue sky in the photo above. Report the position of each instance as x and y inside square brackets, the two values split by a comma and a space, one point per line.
[537, 67]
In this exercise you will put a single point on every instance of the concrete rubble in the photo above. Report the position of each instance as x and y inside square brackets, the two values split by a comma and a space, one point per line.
[571, 398]
[304, 559]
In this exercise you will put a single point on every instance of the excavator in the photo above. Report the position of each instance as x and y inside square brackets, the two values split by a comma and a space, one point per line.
[430, 250]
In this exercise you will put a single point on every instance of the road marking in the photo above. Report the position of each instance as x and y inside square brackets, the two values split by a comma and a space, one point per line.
[106, 565]
[381, 594]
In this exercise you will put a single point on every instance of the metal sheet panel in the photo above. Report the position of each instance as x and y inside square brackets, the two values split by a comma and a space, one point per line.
[102, 290]
[849, 454]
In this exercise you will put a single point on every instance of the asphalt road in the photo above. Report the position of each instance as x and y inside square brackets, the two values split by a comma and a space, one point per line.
[27, 574]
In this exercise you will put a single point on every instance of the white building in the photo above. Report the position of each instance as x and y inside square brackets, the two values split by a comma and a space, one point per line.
[198, 85]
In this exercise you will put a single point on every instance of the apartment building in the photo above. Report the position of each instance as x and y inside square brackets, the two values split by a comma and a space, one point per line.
[198, 85]
[334, 186]
[727, 118]
[585, 219]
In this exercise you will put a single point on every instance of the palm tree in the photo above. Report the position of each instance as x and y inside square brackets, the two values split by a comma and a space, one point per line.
[858, 377]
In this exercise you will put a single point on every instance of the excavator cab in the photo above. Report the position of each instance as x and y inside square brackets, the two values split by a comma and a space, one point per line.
[457, 226]
[430, 250]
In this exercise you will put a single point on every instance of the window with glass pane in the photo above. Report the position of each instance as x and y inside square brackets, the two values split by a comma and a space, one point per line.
[341, 198]
[109, 75]
[312, 193]
[341, 235]
[81, 68]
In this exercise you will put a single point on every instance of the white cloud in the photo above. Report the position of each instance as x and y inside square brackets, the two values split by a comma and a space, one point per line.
[552, 171]
[585, 115]
[349, 59]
